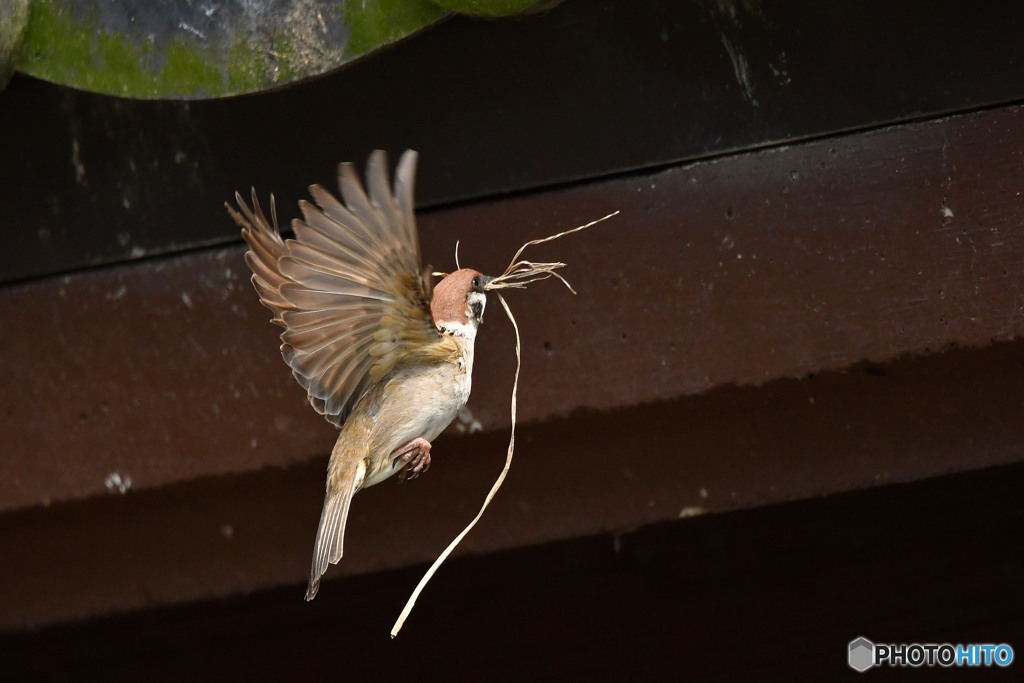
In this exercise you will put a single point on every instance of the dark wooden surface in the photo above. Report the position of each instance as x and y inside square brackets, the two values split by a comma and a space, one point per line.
[763, 265]
[771, 595]
[731, 448]
[588, 89]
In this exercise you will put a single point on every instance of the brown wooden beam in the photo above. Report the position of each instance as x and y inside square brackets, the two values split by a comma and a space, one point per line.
[769, 595]
[731, 448]
[736, 271]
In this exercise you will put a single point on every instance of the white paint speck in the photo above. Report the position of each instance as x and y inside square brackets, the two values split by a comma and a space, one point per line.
[191, 29]
[946, 211]
[76, 162]
[117, 482]
[779, 69]
[187, 300]
[739, 67]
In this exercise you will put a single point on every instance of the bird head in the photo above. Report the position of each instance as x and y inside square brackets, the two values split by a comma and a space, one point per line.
[458, 303]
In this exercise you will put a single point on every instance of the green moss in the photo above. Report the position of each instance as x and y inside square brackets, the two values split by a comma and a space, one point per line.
[13, 23]
[488, 8]
[244, 73]
[110, 57]
[74, 50]
[286, 68]
[188, 71]
[47, 27]
[379, 22]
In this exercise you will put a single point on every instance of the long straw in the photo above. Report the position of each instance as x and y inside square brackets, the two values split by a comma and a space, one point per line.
[487, 501]
[517, 275]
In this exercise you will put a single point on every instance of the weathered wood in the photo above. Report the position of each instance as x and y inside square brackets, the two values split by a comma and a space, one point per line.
[732, 448]
[774, 264]
[769, 596]
[589, 89]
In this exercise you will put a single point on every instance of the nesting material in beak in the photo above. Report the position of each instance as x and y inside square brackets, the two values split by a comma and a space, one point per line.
[516, 276]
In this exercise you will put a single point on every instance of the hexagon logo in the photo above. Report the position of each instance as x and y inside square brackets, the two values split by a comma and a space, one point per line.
[862, 654]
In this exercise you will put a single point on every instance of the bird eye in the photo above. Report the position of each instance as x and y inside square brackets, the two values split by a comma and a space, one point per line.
[476, 282]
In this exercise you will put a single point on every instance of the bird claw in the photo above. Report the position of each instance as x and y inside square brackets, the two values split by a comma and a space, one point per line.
[414, 458]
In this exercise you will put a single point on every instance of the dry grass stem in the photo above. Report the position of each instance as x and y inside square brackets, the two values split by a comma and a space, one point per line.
[490, 495]
[516, 276]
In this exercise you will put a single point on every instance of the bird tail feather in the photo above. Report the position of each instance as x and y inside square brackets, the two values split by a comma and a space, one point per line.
[330, 536]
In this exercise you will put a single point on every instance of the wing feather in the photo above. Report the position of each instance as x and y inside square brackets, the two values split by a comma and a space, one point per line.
[371, 220]
[319, 300]
[348, 289]
[265, 247]
[313, 339]
[350, 239]
[323, 352]
[308, 320]
[311, 269]
[405, 180]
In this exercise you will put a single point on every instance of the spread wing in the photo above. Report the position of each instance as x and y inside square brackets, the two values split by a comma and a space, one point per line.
[348, 289]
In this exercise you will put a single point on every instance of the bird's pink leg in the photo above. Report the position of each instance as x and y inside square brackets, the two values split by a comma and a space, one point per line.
[414, 458]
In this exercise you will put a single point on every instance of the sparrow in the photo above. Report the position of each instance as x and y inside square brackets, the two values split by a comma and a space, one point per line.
[380, 355]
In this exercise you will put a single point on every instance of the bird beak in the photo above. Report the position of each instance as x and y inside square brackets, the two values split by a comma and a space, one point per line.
[486, 279]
